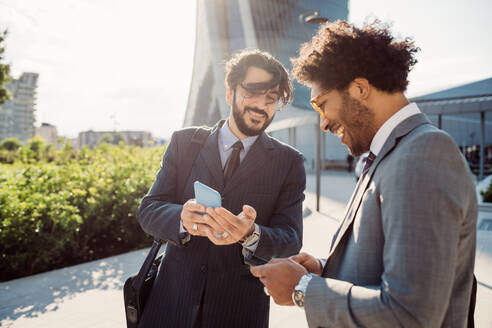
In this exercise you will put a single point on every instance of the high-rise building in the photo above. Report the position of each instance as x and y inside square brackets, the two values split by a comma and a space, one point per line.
[277, 26]
[17, 114]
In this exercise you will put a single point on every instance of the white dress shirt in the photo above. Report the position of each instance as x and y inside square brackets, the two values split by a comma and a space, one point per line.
[385, 130]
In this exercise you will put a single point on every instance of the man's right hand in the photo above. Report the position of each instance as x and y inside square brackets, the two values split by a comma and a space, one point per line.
[312, 264]
[191, 218]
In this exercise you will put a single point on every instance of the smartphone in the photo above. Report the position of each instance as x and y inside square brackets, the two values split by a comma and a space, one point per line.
[254, 260]
[207, 196]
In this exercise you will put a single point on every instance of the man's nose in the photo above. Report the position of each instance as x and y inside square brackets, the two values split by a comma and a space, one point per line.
[261, 101]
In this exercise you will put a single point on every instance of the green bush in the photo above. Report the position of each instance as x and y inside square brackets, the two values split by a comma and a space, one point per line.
[487, 194]
[10, 144]
[7, 156]
[75, 207]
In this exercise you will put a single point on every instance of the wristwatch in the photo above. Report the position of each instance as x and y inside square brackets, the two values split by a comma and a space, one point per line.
[300, 290]
[251, 239]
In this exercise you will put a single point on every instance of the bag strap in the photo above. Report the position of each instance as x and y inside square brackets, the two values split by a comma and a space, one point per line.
[145, 268]
[473, 300]
[186, 162]
[185, 165]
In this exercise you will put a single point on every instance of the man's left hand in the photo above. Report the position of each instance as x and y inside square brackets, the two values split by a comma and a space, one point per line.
[236, 227]
[280, 276]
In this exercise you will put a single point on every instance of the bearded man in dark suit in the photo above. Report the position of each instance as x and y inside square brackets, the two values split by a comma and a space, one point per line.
[203, 281]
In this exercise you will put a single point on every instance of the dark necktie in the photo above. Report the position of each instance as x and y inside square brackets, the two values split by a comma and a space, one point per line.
[370, 159]
[232, 162]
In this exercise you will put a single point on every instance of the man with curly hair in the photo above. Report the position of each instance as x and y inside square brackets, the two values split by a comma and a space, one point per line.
[404, 252]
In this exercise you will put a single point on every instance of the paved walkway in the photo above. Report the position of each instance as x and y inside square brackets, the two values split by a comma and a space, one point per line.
[90, 294]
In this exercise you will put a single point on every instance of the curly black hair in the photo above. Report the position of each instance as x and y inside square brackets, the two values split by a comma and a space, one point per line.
[237, 66]
[341, 52]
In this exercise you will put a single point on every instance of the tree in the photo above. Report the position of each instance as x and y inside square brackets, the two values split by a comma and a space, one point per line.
[10, 144]
[112, 138]
[36, 144]
[107, 138]
[118, 137]
[4, 71]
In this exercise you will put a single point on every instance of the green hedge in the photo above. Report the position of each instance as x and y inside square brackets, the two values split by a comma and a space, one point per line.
[70, 206]
[487, 194]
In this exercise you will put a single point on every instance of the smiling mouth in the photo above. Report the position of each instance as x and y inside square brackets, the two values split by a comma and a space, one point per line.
[337, 130]
[255, 115]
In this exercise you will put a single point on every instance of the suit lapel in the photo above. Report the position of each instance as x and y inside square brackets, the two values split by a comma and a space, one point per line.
[400, 131]
[255, 159]
[211, 157]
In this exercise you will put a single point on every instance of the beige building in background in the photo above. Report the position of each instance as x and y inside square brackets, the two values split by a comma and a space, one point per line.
[48, 133]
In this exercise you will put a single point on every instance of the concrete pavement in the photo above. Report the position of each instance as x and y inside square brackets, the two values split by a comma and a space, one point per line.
[90, 294]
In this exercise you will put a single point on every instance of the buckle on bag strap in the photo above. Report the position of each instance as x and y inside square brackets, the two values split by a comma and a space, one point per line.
[132, 313]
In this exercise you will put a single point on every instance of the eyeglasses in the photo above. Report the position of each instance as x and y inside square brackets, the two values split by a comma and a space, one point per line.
[314, 103]
[272, 98]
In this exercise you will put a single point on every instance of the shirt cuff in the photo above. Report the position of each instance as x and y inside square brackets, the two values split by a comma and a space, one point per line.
[183, 234]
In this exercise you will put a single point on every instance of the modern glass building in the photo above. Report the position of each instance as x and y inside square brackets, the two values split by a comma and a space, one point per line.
[277, 26]
[17, 114]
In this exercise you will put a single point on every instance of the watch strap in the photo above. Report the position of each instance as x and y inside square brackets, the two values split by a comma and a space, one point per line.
[253, 238]
[300, 290]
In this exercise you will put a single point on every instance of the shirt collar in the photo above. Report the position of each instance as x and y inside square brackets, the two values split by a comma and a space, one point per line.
[227, 138]
[385, 130]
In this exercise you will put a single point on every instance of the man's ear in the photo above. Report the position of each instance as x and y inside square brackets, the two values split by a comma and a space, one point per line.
[229, 96]
[360, 89]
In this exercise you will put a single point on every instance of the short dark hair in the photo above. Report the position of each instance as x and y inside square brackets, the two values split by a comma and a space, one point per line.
[238, 65]
[341, 52]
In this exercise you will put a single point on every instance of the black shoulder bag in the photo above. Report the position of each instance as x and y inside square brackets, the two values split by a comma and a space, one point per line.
[137, 287]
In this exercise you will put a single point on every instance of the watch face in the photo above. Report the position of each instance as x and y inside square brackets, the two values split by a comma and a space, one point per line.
[299, 298]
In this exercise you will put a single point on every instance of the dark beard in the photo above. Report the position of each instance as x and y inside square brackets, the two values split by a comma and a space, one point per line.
[241, 122]
[359, 124]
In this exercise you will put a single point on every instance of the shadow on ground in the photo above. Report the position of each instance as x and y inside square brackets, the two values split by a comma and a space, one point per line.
[35, 295]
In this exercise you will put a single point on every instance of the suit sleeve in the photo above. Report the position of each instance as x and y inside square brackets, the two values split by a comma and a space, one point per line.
[422, 197]
[158, 214]
[283, 237]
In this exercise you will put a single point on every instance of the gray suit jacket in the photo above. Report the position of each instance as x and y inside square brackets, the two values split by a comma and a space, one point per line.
[404, 254]
[200, 277]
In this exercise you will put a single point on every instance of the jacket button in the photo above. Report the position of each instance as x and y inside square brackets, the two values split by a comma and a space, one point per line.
[203, 269]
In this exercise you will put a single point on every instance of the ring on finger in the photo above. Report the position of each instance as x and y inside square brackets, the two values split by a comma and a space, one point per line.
[225, 234]
[195, 227]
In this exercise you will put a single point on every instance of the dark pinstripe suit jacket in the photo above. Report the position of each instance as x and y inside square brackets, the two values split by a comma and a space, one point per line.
[271, 178]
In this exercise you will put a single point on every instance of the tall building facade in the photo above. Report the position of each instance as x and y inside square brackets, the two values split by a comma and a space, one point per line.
[227, 26]
[17, 114]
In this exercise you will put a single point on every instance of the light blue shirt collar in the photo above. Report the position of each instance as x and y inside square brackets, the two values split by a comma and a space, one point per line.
[227, 139]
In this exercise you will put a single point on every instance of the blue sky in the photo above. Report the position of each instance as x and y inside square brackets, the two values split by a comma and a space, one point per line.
[107, 64]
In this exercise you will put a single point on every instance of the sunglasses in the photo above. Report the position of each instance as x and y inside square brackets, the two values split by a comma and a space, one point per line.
[314, 103]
